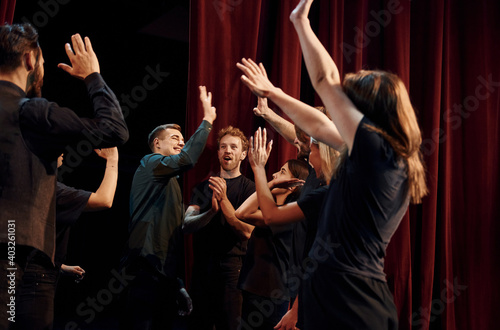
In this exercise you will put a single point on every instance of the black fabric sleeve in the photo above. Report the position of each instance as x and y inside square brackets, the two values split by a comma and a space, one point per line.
[48, 128]
[70, 203]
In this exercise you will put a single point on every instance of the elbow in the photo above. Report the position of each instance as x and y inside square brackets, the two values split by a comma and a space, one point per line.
[106, 204]
[268, 220]
[239, 214]
[122, 136]
[324, 79]
[245, 236]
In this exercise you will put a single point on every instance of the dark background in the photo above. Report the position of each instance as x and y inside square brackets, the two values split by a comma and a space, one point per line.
[442, 263]
[128, 37]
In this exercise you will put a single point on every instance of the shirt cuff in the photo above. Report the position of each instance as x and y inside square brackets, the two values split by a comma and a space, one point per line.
[206, 125]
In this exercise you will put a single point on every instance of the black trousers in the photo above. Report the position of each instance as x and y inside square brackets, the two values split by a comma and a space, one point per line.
[149, 301]
[216, 298]
[27, 290]
[333, 300]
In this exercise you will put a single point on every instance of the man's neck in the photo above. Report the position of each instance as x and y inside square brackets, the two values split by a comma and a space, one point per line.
[16, 77]
[230, 174]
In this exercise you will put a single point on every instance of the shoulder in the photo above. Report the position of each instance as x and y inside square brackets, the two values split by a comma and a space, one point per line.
[370, 147]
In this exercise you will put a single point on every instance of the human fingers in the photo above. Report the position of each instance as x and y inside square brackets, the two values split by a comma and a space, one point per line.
[78, 44]
[269, 148]
[88, 46]
[203, 93]
[251, 66]
[264, 138]
[65, 67]
[263, 70]
[257, 138]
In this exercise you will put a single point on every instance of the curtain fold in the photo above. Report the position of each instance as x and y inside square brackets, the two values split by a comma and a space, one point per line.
[442, 264]
[7, 11]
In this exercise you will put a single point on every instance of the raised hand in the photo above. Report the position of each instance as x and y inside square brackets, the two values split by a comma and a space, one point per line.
[301, 11]
[108, 153]
[255, 77]
[209, 113]
[82, 57]
[262, 109]
[285, 183]
[258, 153]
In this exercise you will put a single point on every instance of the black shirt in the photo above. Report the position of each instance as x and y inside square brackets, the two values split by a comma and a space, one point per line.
[217, 237]
[363, 208]
[70, 203]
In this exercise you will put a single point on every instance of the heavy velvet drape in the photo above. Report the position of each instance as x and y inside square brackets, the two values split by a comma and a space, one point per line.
[442, 264]
[7, 11]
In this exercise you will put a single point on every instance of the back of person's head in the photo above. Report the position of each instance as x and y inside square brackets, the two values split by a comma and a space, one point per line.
[301, 135]
[16, 40]
[382, 98]
[298, 169]
[236, 132]
[158, 131]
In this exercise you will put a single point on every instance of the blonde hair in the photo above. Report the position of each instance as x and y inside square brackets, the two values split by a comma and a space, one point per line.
[329, 159]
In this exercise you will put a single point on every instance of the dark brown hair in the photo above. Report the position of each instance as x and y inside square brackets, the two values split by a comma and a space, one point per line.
[382, 97]
[157, 131]
[15, 40]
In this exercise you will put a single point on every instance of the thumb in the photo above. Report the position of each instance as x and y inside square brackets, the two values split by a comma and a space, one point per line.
[65, 67]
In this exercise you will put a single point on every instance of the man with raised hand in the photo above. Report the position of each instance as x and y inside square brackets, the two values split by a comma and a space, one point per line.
[155, 249]
[34, 133]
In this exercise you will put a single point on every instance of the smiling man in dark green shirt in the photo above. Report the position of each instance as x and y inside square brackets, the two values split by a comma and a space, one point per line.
[155, 245]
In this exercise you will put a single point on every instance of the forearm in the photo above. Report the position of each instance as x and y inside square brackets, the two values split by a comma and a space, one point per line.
[109, 127]
[195, 145]
[284, 128]
[249, 212]
[311, 121]
[320, 66]
[195, 221]
[265, 198]
[241, 229]
[104, 195]
[325, 78]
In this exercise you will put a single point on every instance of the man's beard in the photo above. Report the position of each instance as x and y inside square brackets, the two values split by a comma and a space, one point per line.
[34, 83]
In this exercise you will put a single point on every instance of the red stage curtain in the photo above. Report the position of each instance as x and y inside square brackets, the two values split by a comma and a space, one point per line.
[442, 264]
[7, 11]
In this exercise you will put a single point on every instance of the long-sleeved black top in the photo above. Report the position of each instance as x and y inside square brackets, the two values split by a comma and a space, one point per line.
[33, 133]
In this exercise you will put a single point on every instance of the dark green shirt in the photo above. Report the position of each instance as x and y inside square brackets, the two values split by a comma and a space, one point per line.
[156, 207]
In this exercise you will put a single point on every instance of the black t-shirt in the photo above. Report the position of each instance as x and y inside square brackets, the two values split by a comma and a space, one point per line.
[363, 207]
[301, 232]
[311, 205]
[70, 203]
[217, 238]
[265, 268]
